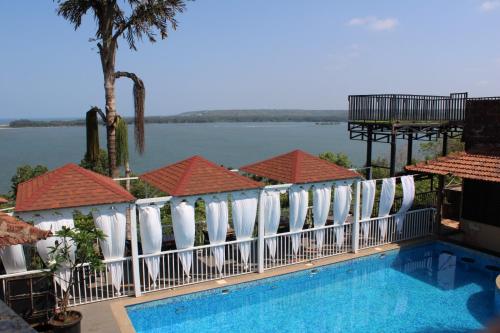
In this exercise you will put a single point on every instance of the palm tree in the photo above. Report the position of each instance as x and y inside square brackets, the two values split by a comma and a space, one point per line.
[131, 20]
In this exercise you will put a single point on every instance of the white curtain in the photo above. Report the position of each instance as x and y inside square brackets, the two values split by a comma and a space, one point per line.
[244, 208]
[112, 221]
[408, 184]
[368, 197]
[13, 259]
[270, 208]
[322, 196]
[55, 222]
[217, 221]
[298, 197]
[385, 204]
[341, 205]
[151, 237]
[184, 230]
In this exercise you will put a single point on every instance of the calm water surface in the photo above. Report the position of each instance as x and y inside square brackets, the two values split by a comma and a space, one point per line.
[231, 144]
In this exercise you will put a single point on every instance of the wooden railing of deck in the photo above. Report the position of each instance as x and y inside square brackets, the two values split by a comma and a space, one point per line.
[416, 108]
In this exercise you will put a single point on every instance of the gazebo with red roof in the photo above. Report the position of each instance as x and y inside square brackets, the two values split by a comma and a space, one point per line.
[197, 175]
[69, 186]
[14, 231]
[299, 167]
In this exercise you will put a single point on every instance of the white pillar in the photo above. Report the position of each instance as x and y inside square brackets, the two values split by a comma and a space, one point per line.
[355, 222]
[260, 235]
[135, 250]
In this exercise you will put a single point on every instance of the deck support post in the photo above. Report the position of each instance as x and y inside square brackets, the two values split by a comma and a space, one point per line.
[355, 226]
[393, 154]
[369, 149]
[260, 236]
[440, 200]
[445, 143]
[135, 251]
[409, 153]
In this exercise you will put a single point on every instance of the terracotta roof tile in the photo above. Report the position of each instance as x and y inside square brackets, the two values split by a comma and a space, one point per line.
[69, 186]
[14, 231]
[299, 167]
[465, 165]
[197, 175]
[3, 200]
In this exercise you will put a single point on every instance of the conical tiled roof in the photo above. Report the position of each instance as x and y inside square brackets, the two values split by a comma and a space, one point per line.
[197, 175]
[297, 167]
[66, 187]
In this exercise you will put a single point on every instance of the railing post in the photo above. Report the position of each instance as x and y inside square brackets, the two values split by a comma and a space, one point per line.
[135, 250]
[260, 240]
[355, 226]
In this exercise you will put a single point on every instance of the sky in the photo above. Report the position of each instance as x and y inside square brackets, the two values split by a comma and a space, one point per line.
[227, 54]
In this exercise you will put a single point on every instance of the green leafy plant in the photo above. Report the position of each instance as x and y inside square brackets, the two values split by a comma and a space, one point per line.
[83, 238]
[339, 159]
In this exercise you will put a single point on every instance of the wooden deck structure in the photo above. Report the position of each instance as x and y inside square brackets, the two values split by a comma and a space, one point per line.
[388, 117]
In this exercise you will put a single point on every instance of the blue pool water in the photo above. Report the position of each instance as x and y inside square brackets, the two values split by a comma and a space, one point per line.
[427, 288]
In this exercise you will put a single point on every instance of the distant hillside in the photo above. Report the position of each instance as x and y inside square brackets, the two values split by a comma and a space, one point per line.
[212, 116]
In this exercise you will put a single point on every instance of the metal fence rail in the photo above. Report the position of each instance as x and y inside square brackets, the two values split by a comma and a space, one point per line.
[416, 224]
[203, 268]
[308, 249]
[398, 107]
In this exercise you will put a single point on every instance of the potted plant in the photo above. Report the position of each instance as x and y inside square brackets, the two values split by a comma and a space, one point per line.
[75, 247]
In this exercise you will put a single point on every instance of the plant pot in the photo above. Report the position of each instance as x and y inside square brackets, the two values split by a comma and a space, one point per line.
[71, 325]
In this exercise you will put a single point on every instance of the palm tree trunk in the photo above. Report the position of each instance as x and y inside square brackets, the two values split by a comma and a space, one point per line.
[109, 89]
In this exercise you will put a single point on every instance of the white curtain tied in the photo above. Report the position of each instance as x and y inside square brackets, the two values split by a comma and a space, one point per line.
[55, 222]
[385, 204]
[408, 196]
[112, 222]
[217, 221]
[184, 231]
[298, 197]
[270, 210]
[151, 237]
[244, 208]
[322, 195]
[13, 259]
[341, 205]
[368, 197]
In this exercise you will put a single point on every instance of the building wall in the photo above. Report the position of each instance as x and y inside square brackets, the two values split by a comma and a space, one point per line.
[480, 217]
[482, 125]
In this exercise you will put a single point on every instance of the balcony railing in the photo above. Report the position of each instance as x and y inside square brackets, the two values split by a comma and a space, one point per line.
[407, 108]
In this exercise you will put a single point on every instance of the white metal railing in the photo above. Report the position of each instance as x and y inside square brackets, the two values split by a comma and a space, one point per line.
[416, 224]
[308, 247]
[90, 285]
[203, 267]
[96, 285]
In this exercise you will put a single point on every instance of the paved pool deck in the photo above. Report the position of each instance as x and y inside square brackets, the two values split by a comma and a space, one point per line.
[111, 316]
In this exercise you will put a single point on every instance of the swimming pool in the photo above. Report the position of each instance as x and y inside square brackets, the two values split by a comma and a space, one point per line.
[436, 287]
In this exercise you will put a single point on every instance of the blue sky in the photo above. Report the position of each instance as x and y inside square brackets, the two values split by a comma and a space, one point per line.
[255, 54]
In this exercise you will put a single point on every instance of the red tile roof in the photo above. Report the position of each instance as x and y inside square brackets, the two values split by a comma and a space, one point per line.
[299, 167]
[3, 200]
[14, 231]
[464, 165]
[197, 175]
[69, 186]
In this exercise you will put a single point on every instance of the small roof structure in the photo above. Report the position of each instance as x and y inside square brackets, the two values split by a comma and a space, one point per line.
[196, 175]
[14, 231]
[67, 187]
[3, 200]
[484, 167]
[298, 167]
